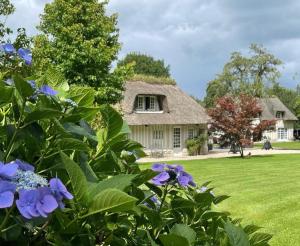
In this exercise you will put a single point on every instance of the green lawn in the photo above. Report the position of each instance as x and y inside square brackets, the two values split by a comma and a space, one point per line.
[282, 145]
[264, 190]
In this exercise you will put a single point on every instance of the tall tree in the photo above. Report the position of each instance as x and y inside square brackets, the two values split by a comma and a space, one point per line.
[233, 117]
[81, 41]
[289, 97]
[6, 9]
[147, 65]
[250, 75]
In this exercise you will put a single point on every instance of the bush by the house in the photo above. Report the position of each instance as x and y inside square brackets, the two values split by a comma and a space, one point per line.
[195, 145]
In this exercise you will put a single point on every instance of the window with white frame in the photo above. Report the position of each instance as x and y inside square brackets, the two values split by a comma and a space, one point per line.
[282, 133]
[158, 134]
[177, 137]
[152, 103]
[140, 103]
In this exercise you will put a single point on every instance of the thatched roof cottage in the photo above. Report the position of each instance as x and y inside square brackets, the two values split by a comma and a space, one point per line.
[162, 117]
[274, 109]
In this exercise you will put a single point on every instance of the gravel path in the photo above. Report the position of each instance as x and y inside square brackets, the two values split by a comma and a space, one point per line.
[220, 154]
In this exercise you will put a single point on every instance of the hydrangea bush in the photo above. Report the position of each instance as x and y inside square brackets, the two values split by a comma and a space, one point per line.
[68, 177]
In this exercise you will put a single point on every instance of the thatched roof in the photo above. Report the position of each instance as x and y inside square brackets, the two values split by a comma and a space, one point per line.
[179, 109]
[272, 105]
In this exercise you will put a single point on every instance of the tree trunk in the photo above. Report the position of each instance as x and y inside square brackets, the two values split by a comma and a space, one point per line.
[242, 151]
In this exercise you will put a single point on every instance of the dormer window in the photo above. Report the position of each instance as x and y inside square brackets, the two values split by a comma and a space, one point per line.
[279, 114]
[148, 103]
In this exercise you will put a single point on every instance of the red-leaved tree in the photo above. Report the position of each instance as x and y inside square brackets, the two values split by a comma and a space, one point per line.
[234, 119]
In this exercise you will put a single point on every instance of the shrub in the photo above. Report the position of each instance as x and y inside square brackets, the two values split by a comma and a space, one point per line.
[195, 145]
[65, 183]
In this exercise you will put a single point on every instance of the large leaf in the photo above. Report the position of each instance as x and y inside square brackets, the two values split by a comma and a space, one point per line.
[43, 114]
[6, 95]
[111, 200]
[112, 120]
[78, 130]
[260, 239]
[72, 144]
[83, 96]
[120, 182]
[78, 180]
[236, 235]
[173, 240]
[23, 87]
[184, 231]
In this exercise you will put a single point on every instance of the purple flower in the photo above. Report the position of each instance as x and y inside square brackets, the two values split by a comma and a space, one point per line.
[59, 191]
[161, 178]
[36, 203]
[47, 90]
[26, 55]
[185, 179]
[8, 171]
[171, 174]
[8, 48]
[7, 190]
[22, 165]
[158, 167]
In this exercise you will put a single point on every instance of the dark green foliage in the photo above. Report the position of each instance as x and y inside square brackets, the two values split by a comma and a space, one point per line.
[195, 145]
[146, 65]
[81, 41]
[6, 8]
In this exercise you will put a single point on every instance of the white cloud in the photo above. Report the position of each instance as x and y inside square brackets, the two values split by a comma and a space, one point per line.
[196, 37]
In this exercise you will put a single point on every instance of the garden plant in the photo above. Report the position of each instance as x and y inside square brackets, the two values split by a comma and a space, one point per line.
[68, 174]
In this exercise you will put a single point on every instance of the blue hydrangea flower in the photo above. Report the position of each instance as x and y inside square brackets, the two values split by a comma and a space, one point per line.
[158, 167]
[37, 196]
[7, 190]
[26, 55]
[36, 203]
[8, 171]
[60, 191]
[171, 174]
[8, 48]
[47, 90]
[24, 166]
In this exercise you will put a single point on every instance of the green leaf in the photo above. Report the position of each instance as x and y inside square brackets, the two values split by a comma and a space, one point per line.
[78, 130]
[260, 239]
[120, 182]
[236, 235]
[23, 87]
[83, 96]
[111, 200]
[173, 240]
[249, 229]
[144, 176]
[72, 144]
[112, 120]
[77, 178]
[43, 114]
[184, 231]
[208, 214]
[220, 199]
[6, 95]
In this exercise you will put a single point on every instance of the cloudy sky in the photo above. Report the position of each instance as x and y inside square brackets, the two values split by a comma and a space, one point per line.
[196, 37]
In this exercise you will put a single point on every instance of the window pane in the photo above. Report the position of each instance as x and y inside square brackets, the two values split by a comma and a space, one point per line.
[176, 138]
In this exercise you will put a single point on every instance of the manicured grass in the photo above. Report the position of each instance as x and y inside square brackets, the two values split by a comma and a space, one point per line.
[282, 145]
[264, 190]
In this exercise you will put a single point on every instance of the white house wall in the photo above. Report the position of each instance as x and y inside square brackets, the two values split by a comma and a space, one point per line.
[273, 135]
[144, 135]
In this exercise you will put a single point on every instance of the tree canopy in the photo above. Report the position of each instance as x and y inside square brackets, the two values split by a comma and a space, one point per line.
[244, 74]
[81, 40]
[6, 9]
[232, 117]
[146, 65]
